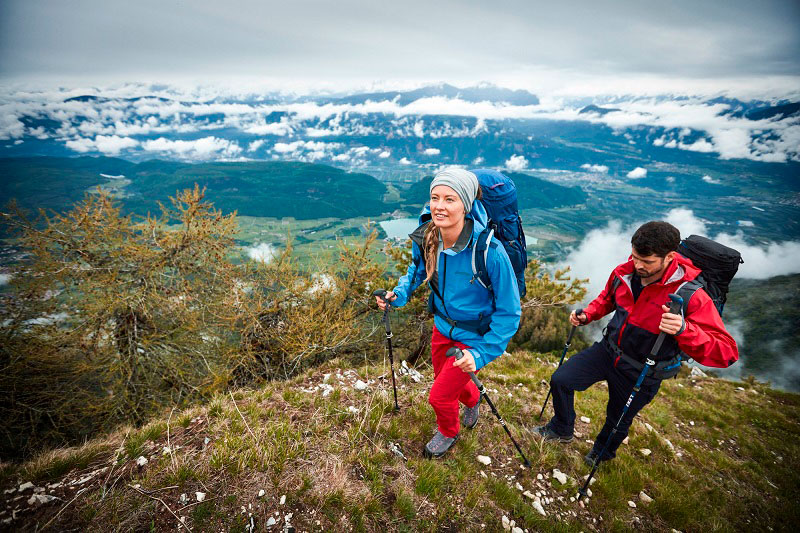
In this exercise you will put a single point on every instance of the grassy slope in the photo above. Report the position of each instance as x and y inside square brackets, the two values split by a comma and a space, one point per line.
[739, 463]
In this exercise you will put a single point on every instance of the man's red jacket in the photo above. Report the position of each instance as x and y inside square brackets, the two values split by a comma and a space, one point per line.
[634, 327]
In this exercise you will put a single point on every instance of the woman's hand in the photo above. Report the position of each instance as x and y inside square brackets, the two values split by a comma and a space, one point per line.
[390, 297]
[466, 363]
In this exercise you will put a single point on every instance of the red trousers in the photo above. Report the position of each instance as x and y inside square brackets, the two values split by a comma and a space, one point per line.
[450, 386]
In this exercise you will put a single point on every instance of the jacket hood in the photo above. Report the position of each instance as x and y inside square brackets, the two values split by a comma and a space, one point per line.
[681, 269]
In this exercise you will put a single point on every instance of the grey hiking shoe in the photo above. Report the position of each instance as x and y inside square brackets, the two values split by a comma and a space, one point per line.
[590, 458]
[438, 445]
[470, 418]
[549, 435]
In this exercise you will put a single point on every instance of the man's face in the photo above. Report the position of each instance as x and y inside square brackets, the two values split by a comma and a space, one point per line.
[650, 266]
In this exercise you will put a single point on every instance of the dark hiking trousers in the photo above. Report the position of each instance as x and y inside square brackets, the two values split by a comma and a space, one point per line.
[581, 371]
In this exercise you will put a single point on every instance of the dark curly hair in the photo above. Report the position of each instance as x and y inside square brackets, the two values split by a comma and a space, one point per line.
[656, 238]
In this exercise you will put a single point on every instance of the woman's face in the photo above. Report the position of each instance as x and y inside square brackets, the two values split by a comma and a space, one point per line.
[447, 209]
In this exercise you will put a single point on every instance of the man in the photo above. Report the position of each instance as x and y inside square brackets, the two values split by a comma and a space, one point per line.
[637, 291]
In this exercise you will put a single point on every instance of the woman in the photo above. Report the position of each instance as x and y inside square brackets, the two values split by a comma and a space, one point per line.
[466, 314]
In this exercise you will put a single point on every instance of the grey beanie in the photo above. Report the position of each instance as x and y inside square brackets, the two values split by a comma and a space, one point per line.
[464, 182]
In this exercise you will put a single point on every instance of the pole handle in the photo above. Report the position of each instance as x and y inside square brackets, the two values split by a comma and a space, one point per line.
[458, 354]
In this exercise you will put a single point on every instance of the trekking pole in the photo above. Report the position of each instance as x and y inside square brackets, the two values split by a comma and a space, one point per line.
[381, 293]
[566, 347]
[458, 354]
[676, 302]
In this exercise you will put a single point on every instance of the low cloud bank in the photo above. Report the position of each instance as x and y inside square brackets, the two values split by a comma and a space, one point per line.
[263, 252]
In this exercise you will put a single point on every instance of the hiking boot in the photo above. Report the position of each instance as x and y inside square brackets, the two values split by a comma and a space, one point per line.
[470, 418]
[590, 457]
[549, 435]
[438, 445]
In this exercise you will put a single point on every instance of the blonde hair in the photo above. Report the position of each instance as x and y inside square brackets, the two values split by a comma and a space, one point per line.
[430, 243]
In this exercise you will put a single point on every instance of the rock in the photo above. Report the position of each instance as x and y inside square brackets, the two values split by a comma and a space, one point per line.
[200, 496]
[631, 504]
[326, 378]
[582, 504]
[25, 486]
[261, 493]
[645, 498]
[184, 499]
[539, 509]
[645, 452]
[649, 427]
[592, 481]
[589, 491]
[691, 422]
[206, 441]
[283, 499]
[626, 440]
[528, 494]
[39, 499]
[141, 460]
[484, 460]
[539, 477]
[697, 373]
[271, 521]
[560, 476]
[360, 385]
[12, 490]
[483, 475]
[585, 419]
[517, 530]
[353, 410]
[506, 523]
[519, 487]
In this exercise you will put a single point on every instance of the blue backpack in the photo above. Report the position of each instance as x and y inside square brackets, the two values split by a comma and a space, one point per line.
[500, 201]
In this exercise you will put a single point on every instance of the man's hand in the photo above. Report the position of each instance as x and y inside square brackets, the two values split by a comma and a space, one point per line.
[670, 323]
[390, 297]
[577, 320]
[466, 363]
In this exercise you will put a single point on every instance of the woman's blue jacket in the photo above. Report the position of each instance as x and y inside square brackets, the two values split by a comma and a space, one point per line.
[462, 297]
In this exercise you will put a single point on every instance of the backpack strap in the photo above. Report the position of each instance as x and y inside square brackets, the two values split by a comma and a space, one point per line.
[480, 254]
[686, 290]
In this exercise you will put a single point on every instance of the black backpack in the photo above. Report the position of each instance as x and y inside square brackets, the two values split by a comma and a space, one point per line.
[719, 264]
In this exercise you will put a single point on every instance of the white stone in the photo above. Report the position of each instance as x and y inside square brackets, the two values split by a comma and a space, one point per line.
[353, 410]
[519, 487]
[560, 476]
[25, 486]
[539, 477]
[506, 523]
[631, 504]
[528, 494]
[261, 493]
[141, 461]
[589, 491]
[271, 522]
[539, 508]
[483, 474]
[585, 419]
[517, 530]
[38, 499]
[283, 500]
[691, 422]
[326, 378]
[645, 452]
[649, 427]
[645, 498]
[484, 460]
[697, 373]
[360, 385]
[626, 440]
[184, 498]
[200, 496]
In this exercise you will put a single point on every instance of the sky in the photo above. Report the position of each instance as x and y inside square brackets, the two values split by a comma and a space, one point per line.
[578, 46]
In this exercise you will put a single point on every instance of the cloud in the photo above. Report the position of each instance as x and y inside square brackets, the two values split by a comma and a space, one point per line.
[262, 252]
[432, 151]
[107, 144]
[637, 173]
[516, 162]
[746, 223]
[709, 179]
[255, 145]
[384, 154]
[205, 148]
[404, 161]
[5, 279]
[597, 169]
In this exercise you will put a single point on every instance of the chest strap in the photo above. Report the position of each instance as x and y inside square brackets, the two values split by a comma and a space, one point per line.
[479, 326]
